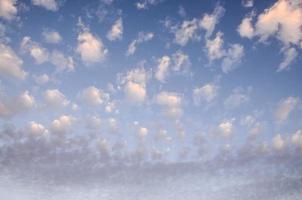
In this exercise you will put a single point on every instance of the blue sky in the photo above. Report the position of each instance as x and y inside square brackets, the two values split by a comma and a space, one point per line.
[151, 80]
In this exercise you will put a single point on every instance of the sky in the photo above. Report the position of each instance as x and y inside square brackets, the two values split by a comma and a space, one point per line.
[98, 83]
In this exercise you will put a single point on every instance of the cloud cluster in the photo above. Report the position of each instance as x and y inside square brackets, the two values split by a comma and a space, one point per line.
[142, 37]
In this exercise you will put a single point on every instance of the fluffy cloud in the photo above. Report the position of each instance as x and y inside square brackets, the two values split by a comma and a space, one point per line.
[278, 142]
[142, 37]
[63, 124]
[36, 129]
[41, 79]
[238, 97]
[10, 106]
[142, 132]
[55, 98]
[230, 57]
[209, 21]
[285, 107]
[62, 62]
[90, 48]
[181, 61]
[225, 128]
[247, 3]
[51, 5]
[187, 31]
[296, 139]
[282, 21]
[207, 93]
[93, 96]
[162, 68]
[135, 84]
[8, 9]
[10, 63]
[171, 102]
[116, 32]
[254, 126]
[145, 4]
[39, 54]
[113, 126]
[51, 36]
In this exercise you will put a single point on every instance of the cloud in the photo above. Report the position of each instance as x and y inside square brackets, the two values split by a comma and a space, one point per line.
[62, 125]
[206, 93]
[231, 57]
[145, 4]
[39, 54]
[51, 36]
[247, 3]
[254, 126]
[36, 129]
[171, 102]
[62, 62]
[238, 97]
[55, 98]
[226, 128]
[246, 29]
[113, 126]
[10, 63]
[116, 32]
[187, 31]
[51, 5]
[135, 92]
[181, 61]
[93, 96]
[8, 9]
[285, 107]
[290, 56]
[11, 106]
[296, 139]
[93, 123]
[90, 48]
[142, 132]
[278, 143]
[41, 79]
[142, 37]
[162, 70]
[209, 21]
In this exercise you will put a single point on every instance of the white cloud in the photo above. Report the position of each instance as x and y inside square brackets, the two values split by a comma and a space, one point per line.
[209, 21]
[254, 126]
[113, 126]
[93, 96]
[187, 31]
[215, 47]
[226, 128]
[145, 4]
[91, 48]
[10, 63]
[51, 5]
[278, 143]
[10, 106]
[207, 93]
[55, 98]
[51, 36]
[135, 92]
[8, 9]
[181, 61]
[171, 102]
[246, 29]
[238, 97]
[290, 56]
[63, 124]
[36, 129]
[162, 70]
[296, 139]
[142, 37]
[142, 132]
[116, 32]
[62, 62]
[41, 79]
[39, 53]
[247, 3]
[285, 107]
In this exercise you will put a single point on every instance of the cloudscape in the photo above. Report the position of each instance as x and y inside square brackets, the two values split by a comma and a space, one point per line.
[150, 99]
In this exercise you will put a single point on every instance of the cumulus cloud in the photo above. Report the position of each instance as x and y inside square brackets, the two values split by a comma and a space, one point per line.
[247, 3]
[238, 97]
[209, 21]
[62, 124]
[282, 21]
[226, 128]
[278, 142]
[296, 139]
[186, 32]
[51, 5]
[90, 48]
[36, 129]
[93, 96]
[116, 31]
[181, 61]
[171, 102]
[51, 36]
[55, 98]
[162, 70]
[145, 4]
[113, 125]
[285, 108]
[254, 126]
[62, 62]
[39, 54]
[142, 132]
[231, 57]
[135, 92]
[11, 106]
[10, 63]
[142, 37]
[207, 93]
[8, 9]
[41, 79]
